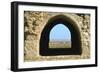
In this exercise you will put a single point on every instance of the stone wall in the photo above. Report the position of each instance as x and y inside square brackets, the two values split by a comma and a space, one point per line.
[34, 22]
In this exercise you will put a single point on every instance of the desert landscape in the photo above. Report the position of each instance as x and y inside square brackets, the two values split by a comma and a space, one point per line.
[59, 44]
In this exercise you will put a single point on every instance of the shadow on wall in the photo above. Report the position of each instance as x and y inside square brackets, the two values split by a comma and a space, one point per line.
[75, 48]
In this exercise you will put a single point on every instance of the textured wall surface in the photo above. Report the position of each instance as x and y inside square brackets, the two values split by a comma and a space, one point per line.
[34, 22]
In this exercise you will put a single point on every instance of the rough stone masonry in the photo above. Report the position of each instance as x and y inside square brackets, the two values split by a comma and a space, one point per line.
[35, 21]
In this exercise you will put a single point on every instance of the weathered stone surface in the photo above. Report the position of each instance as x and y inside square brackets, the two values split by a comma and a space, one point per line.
[34, 24]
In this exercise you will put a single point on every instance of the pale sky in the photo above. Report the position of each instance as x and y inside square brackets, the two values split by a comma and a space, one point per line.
[60, 32]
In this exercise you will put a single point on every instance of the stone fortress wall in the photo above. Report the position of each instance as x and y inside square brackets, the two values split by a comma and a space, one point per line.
[35, 21]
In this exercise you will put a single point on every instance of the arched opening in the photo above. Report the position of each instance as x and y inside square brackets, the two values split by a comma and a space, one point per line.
[75, 48]
[60, 37]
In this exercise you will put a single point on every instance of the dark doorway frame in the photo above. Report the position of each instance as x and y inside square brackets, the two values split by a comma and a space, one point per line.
[75, 37]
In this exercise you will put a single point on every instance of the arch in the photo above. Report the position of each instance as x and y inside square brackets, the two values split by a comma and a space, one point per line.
[60, 32]
[75, 37]
[60, 37]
